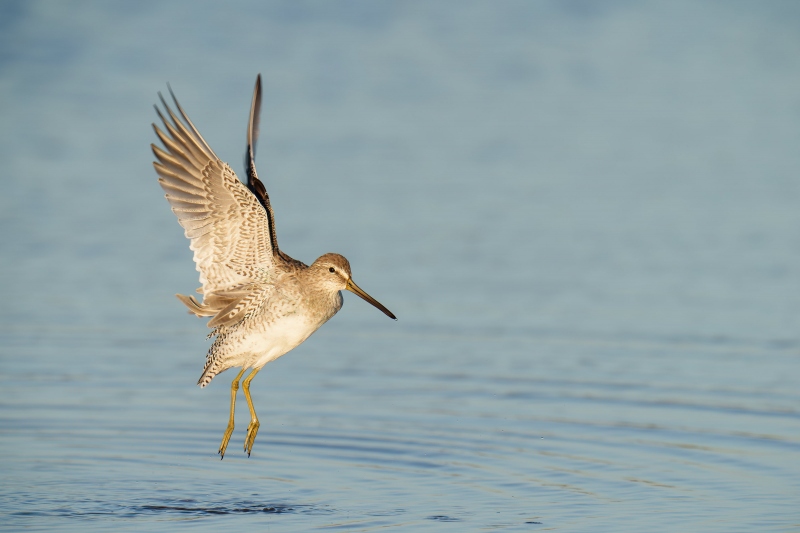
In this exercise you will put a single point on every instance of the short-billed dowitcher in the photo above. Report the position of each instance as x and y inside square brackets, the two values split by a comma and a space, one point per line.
[263, 302]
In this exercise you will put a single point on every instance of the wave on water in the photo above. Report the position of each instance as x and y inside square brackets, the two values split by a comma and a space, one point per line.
[183, 507]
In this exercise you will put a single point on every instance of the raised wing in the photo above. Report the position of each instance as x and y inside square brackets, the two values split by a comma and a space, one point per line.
[253, 183]
[229, 228]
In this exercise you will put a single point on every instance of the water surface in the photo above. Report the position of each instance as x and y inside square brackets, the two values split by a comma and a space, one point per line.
[584, 215]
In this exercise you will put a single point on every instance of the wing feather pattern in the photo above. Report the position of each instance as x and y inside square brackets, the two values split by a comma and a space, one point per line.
[230, 229]
[253, 183]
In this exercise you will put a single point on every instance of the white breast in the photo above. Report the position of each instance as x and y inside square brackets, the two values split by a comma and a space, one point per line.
[278, 338]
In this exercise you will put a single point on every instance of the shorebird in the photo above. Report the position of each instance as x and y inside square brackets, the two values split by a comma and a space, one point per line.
[263, 302]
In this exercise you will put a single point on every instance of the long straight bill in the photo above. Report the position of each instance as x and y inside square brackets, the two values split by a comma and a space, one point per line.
[352, 287]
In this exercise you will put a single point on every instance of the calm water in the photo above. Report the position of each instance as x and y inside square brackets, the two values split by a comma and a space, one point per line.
[584, 215]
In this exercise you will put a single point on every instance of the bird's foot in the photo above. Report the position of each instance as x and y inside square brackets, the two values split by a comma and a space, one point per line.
[252, 431]
[225, 438]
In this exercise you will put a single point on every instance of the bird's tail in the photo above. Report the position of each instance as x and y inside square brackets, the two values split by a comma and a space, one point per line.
[206, 377]
[213, 361]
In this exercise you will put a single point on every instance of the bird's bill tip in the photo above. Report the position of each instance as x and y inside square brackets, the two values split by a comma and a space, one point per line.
[355, 289]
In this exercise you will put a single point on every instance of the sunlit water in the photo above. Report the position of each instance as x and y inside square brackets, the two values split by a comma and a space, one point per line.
[586, 219]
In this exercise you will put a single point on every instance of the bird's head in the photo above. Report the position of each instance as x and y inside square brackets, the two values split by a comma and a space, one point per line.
[334, 272]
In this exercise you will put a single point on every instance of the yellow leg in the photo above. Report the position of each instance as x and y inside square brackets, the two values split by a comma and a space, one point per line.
[252, 429]
[229, 429]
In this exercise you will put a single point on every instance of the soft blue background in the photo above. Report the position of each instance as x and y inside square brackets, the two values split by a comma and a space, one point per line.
[586, 216]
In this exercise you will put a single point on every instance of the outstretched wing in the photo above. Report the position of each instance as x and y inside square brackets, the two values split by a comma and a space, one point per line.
[229, 228]
[253, 183]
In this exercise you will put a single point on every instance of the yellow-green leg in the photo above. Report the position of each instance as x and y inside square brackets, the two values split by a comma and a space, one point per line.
[252, 429]
[229, 429]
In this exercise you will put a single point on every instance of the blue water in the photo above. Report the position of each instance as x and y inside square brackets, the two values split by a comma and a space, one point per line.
[584, 214]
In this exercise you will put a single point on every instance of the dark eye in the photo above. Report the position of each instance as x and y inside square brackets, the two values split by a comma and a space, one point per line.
[331, 269]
